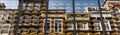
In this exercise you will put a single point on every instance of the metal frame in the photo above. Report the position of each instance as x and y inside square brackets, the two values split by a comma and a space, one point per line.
[74, 21]
[109, 26]
[101, 18]
[46, 18]
[19, 18]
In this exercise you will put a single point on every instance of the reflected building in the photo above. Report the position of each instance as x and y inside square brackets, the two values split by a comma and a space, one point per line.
[8, 20]
[38, 17]
[2, 6]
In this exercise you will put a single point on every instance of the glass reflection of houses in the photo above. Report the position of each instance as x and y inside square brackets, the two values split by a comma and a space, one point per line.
[8, 20]
[60, 18]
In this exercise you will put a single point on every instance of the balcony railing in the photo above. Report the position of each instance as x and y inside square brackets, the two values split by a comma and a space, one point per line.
[98, 15]
[79, 18]
[53, 15]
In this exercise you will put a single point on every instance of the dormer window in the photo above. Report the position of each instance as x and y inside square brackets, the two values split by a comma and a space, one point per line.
[93, 9]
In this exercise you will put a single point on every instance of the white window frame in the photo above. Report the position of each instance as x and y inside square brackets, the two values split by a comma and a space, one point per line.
[95, 15]
[99, 23]
[72, 26]
[50, 25]
[109, 26]
[107, 15]
[98, 15]
[58, 30]
[85, 27]
[6, 16]
[96, 8]
[6, 28]
[1, 16]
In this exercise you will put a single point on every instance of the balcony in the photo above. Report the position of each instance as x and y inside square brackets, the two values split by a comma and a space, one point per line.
[78, 18]
[95, 9]
[97, 14]
[55, 11]
[53, 15]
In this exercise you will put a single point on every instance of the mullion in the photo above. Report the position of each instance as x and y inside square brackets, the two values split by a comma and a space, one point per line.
[101, 19]
[19, 16]
[46, 18]
[74, 22]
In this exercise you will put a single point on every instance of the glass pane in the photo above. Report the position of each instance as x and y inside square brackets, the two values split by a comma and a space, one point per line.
[61, 4]
[80, 5]
[30, 22]
[114, 12]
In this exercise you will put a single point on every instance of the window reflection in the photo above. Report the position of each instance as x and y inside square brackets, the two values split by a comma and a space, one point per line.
[10, 4]
[81, 4]
[97, 26]
[61, 4]
[49, 28]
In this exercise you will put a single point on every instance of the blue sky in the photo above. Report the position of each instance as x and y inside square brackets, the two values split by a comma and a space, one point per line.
[67, 4]
[13, 4]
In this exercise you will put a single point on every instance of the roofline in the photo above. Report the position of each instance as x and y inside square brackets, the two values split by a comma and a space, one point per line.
[10, 9]
[109, 1]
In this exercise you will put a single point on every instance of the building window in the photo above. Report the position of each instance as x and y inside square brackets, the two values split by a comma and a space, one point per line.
[24, 6]
[48, 25]
[1, 16]
[93, 9]
[97, 26]
[5, 29]
[107, 25]
[28, 19]
[58, 25]
[61, 4]
[4, 15]
[83, 26]
[70, 26]
[36, 20]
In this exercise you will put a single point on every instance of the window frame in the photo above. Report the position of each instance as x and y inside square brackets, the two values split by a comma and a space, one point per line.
[44, 25]
[58, 30]
[98, 23]
[84, 27]
[1, 16]
[108, 24]
[8, 29]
